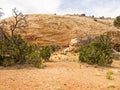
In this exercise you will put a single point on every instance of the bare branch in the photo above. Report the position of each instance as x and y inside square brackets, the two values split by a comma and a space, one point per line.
[19, 22]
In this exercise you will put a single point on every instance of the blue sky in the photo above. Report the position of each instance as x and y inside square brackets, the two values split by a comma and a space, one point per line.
[107, 8]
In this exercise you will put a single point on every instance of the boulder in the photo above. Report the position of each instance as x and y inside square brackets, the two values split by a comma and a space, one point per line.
[75, 42]
[69, 49]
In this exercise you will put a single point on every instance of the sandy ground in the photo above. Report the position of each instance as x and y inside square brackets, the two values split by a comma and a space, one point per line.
[61, 74]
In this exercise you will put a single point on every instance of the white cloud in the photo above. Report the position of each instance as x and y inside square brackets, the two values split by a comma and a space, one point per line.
[107, 8]
[69, 11]
[101, 11]
[29, 6]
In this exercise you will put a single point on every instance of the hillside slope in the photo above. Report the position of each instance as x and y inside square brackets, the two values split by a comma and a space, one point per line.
[53, 29]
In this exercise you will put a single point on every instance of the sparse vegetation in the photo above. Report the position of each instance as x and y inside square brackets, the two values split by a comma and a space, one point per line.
[97, 52]
[83, 14]
[45, 53]
[117, 22]
[54, 47]
[102, 17]
[109, 75]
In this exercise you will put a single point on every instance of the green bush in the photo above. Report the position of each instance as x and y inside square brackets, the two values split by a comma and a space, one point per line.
[34, 55]
[97, 52]
[117, 22]
[19, 52]
[1, 60]
[21, 49]
[38, 64]
[45, 53]
[8, 62]
[83, 14]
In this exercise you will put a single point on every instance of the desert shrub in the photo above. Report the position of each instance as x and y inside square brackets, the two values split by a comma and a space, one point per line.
[11, 50]
[38, 63]
[6, 50]
[45, 53]
[8, 62]
[21, 50]
[97, 52]
[117, 22]
[102, 17]
[18, 52]
[54, 47]
[1, 60]
[83, 14]
[109, 75]
[33, 57]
